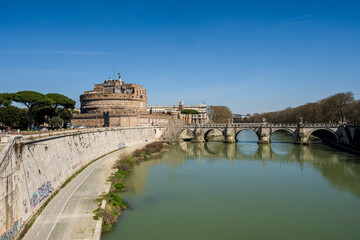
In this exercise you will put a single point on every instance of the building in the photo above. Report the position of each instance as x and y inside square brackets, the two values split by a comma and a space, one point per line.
[177, 111]
[238, 118]
[112, 103]
[155, 119]
[201, 108]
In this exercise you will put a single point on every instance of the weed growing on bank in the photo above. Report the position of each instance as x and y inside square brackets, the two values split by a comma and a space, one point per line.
[114, 204]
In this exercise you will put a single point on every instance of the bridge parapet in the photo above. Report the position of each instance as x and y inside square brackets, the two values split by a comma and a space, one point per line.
[209, 125]
[262, 124]
[281, 125]
[328, 125]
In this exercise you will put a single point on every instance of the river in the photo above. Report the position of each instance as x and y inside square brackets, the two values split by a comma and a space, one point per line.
[243, 190]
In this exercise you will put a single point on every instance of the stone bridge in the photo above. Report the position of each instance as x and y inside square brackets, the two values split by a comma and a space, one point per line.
[301, 132]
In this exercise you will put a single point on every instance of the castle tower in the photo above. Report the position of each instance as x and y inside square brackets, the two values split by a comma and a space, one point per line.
[181, 105]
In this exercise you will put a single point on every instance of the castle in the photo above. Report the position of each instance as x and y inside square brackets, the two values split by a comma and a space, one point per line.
[115, 103]
[115, 97]
[112, 103]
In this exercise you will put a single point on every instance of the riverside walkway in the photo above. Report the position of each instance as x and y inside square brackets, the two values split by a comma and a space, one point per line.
[69, 215]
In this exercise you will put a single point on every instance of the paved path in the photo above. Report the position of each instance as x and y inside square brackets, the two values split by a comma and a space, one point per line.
[69, 214]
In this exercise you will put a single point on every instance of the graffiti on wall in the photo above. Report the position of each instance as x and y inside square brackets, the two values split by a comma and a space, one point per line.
[41, 194]
[12, 231]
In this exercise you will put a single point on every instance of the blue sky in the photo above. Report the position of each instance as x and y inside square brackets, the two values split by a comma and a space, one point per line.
[252, 56]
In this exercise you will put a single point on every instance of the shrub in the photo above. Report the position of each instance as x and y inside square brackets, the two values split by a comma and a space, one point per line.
[154, 147]
[124, 166]
[119, 186]
[115, 200]
[138, 152]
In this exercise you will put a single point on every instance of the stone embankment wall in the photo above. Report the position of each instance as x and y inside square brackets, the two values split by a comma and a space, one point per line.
[33, 167]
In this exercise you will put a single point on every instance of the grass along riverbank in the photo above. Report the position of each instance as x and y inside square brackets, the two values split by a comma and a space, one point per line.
[114, 204]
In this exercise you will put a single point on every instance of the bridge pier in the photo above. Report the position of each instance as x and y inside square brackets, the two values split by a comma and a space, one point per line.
[198, 135]
[230, 139]
[302, 141]
[198, 139]
[300, 136]
[264, 140]
[264, 135]
[229, 134]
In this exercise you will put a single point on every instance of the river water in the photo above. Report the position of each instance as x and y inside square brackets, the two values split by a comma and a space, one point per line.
[243, 190]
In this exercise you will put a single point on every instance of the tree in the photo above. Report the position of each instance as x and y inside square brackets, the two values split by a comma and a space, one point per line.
[335, 106]
[353, 110]
[172, 130]
[56, 122]
[220, 114]
[60, 106]
[5, 99]
[75, 111]
[42, 114]
[12, 116]
[64, 114]
[31, 99]
[60, 100]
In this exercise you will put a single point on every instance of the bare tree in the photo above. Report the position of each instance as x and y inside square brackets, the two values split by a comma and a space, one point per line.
[173, 129]
[220, 114]
[338, 107]
[335, 107]
[353, 110]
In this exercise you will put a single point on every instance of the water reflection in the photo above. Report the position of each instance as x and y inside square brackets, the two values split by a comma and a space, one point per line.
[340, 169]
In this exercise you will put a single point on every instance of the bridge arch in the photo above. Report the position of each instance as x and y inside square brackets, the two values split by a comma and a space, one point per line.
[185, 134]
[283, 130]
[246, 129]
[288, 130]
[207, 132]
[328, 133]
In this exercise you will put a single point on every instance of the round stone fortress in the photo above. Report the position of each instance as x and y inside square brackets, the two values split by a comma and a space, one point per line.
[114, 97]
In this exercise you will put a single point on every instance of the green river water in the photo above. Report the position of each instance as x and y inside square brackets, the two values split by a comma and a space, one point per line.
[243, 190]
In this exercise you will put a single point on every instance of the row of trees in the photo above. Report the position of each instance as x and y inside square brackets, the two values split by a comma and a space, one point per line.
[340, 107]
[52, 108]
